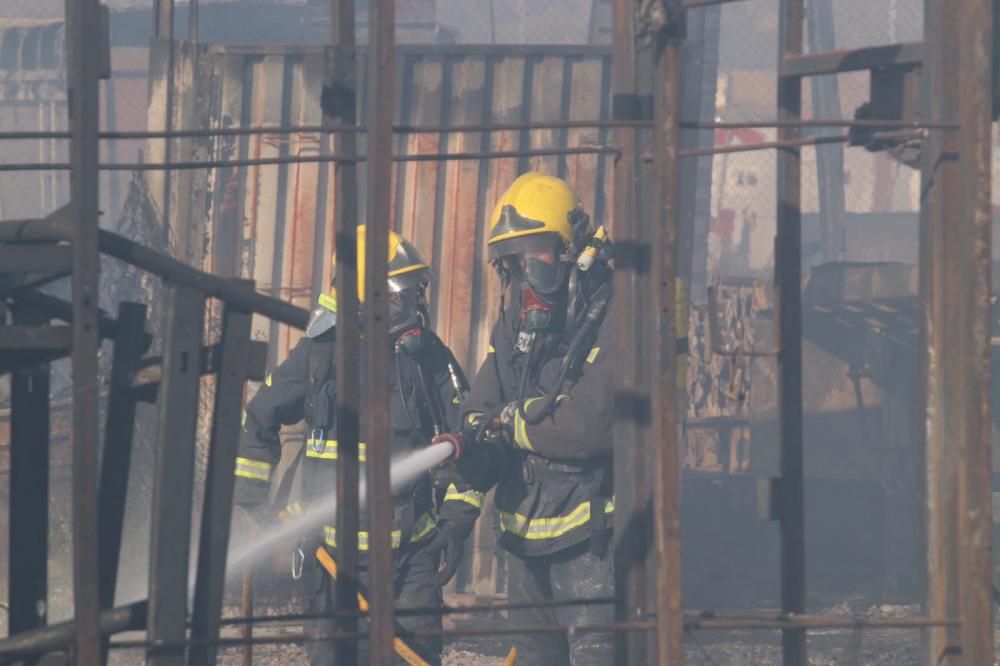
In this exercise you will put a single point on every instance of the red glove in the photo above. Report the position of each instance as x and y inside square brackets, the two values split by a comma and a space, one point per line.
[455, 440]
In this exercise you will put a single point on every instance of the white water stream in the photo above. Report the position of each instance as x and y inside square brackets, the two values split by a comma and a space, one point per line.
[324, 511]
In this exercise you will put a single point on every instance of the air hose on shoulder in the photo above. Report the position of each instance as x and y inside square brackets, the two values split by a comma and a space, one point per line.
[591, 321]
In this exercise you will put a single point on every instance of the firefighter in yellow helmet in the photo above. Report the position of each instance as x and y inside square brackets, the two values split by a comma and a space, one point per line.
[427, 385]
[537, 420]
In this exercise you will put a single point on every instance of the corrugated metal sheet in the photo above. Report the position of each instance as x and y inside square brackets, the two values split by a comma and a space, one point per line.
[272, 223]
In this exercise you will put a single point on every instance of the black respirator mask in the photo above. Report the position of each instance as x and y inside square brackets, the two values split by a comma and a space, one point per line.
[541, 288]
[405, 325]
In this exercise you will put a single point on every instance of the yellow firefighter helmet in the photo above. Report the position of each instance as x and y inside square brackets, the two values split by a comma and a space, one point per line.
[406, 269]
[535, 209]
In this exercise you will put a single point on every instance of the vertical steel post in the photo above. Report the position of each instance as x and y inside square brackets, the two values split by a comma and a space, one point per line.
[343, 89]
[173, 475]
[163, 29]
[632, 495]
[940, 189]
[230, 381]
[662, 350]
[829, 158]
[699, 82]
[974, 43]
[83, 64]
[193, 10]
[163, 19]
[381, 82]
[29, 489]
[788, 288]
[119, 427]
[246, 609]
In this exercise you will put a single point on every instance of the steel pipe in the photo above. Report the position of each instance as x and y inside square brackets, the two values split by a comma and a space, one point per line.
[59, 636]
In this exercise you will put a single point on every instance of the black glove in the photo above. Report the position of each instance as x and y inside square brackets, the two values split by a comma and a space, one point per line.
[451, 545]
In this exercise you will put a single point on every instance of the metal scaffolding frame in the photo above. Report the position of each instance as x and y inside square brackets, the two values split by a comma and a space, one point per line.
[650, 620]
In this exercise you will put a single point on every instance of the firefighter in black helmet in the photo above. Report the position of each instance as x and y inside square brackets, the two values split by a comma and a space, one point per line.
[435, 514]
[537, 420]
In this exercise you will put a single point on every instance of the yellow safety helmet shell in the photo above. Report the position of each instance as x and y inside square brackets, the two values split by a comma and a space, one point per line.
[535, 205]
[406, 269]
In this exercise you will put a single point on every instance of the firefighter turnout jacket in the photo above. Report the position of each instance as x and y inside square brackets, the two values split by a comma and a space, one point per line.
[553, 479]
[303, 387]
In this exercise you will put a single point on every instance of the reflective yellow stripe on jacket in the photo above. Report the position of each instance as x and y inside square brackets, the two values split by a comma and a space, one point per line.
[521, 439]
[326, 449]
[469, 496]
[253, 469]
[423, 526]
[549, 528]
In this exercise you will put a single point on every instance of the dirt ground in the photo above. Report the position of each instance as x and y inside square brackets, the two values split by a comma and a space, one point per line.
[884, 647]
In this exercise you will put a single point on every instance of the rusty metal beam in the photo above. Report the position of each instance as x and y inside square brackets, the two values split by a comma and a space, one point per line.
[342, 89]
[130, 343]
[23, 337]
[36, 259]
[632, 496]
[849, 60]
[974, 41]
[691, 4]
[219, 482]
[468, 127]
[173, 475]
[163, 19]
[788, 288]
[29, 489]
[57, 636]
[314, 159]
[663, 440]
[58, 227]
[940, 188]
[378, 221]
[83, 63]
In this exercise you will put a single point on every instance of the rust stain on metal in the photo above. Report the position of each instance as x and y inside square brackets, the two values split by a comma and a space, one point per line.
[441, 207]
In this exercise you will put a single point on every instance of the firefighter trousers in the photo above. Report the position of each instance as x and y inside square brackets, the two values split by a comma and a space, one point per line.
[415, 587]
[574, 573]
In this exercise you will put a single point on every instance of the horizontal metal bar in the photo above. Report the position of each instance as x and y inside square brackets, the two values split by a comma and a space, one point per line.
[769, 623]
[814, 622]
[419, 633]
[423, 610]
[339, 129]
[59, 227]
[57, 636]
[57, 308]
[48, 258]
[848, 60]
[35, 337]
[817, 122]
[429, 50]
[315, 159]
[747, 148]
[147, 378]
[477, 127]
[694, 4]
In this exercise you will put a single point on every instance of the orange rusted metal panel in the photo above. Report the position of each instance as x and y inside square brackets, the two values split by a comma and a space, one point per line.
[263, 221]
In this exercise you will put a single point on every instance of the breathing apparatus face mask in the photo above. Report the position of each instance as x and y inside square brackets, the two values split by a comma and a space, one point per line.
[539, 275]
[404, 318]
